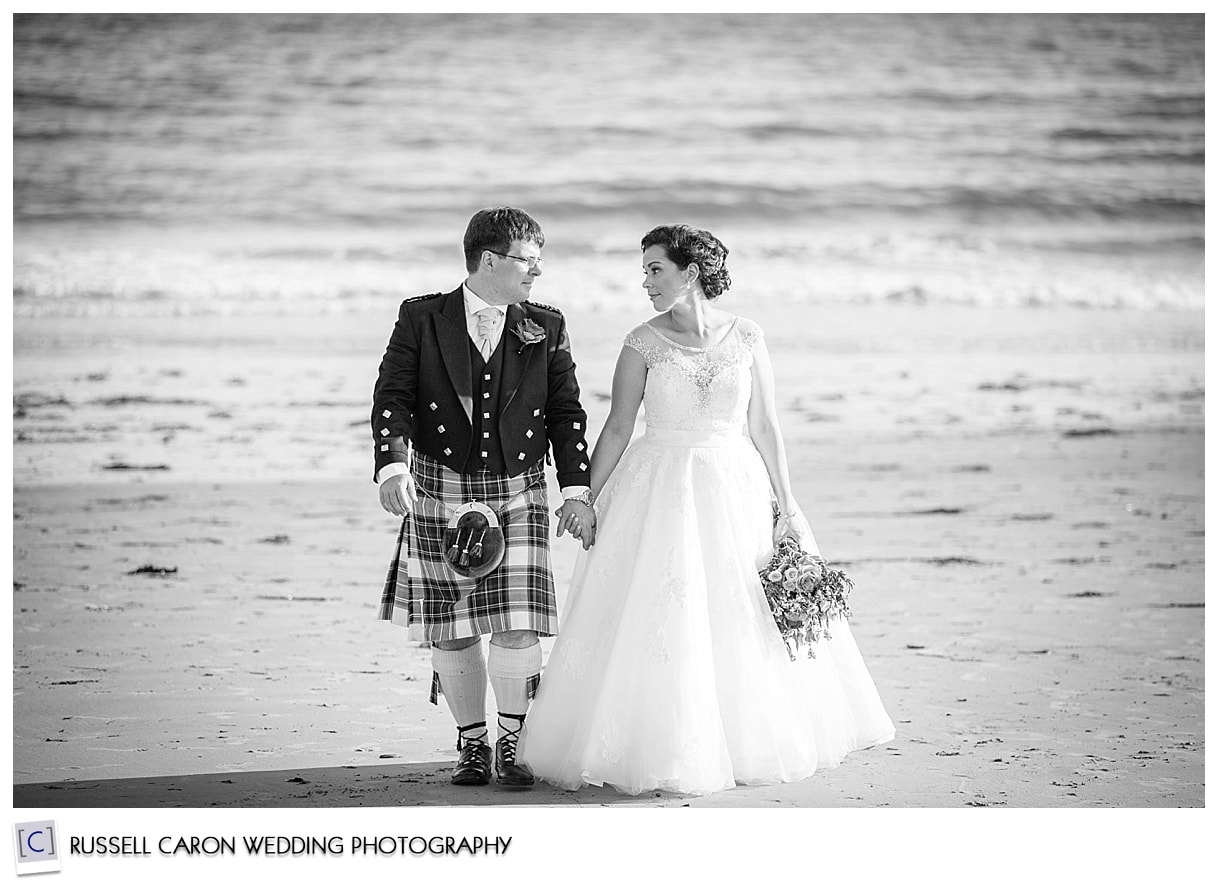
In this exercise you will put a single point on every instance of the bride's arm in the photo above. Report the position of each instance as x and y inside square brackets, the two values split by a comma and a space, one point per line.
[629, 377]
[767, 438]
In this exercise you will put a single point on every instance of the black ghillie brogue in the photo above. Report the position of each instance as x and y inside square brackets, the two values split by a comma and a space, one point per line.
[474, 760]
[507, 770]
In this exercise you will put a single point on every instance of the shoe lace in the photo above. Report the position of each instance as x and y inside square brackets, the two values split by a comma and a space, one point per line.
[511, 737]
[464, 741]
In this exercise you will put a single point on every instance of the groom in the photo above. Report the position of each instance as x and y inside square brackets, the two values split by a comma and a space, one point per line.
[474, 386]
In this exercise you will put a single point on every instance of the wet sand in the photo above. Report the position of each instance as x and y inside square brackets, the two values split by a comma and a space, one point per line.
[198, 554]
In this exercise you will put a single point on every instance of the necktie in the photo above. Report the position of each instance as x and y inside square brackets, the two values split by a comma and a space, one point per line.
[488, 323]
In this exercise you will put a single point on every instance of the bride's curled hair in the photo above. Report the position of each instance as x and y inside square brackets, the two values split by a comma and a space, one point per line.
[685, 245]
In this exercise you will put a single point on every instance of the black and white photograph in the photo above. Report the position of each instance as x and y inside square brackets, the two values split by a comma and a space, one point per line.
[730, 410]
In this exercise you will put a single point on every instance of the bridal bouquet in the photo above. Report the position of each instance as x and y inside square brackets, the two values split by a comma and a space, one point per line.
[803, 594]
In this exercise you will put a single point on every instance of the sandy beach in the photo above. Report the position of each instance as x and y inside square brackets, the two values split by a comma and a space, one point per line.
[198, 553]
[975, 243]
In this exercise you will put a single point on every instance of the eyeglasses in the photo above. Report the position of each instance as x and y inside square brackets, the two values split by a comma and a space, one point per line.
[531, 261]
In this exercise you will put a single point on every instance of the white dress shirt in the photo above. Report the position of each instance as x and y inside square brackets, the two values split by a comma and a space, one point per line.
[474, 305]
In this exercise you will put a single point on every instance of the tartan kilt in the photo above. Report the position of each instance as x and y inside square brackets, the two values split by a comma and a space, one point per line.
[423, 594]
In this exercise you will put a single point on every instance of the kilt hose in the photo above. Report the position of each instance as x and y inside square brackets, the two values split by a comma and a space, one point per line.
[423, 594]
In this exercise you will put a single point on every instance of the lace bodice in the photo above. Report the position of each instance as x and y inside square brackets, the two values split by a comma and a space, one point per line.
[697, 389]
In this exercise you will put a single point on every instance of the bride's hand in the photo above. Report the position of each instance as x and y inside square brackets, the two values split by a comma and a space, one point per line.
[797, 527]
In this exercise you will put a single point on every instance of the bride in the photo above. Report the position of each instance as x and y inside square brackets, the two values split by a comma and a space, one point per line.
[668, 672]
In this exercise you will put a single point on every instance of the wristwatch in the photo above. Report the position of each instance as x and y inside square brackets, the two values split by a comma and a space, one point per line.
[585, 497]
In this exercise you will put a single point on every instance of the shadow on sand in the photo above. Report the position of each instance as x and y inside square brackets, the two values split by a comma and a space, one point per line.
[406, 784]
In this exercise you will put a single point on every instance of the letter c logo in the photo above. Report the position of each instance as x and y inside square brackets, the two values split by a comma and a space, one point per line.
[29, 841]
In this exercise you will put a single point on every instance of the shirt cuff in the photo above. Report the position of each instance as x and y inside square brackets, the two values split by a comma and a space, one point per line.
[567, 492]
[394, 468]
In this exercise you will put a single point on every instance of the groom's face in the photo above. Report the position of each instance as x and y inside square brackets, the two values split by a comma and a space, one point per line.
[513, 275]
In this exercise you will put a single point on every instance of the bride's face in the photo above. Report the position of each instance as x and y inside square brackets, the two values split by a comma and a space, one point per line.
[663, 281]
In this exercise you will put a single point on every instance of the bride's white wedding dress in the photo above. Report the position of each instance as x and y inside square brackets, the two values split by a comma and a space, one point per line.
[668, 672]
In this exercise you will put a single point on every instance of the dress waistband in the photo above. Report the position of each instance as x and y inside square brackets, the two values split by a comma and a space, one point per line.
[696, 438]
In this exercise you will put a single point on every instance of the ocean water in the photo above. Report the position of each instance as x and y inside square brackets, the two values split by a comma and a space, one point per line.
[230, 164]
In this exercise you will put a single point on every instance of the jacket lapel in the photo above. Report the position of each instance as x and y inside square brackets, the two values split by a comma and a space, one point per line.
[453, 337]
[515, 361]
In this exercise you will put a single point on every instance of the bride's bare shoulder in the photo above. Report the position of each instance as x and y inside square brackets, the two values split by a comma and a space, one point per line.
[747, 327]
[648, 330]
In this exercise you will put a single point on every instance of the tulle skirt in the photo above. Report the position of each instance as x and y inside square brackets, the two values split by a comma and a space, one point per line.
[668, 672]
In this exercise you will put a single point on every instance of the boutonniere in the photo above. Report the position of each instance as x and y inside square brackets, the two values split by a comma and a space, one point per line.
[529, 333]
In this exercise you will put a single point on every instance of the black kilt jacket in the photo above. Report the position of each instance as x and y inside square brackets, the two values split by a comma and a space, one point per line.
[424, 393]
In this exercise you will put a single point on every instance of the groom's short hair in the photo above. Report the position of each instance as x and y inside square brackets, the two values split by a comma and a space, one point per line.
[495, 229]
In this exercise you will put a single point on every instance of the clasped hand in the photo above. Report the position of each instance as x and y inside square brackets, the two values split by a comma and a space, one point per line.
[579, 519]
[399, 497]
